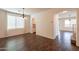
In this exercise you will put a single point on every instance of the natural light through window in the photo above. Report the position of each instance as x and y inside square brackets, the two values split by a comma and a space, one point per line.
[14, 22]
[67, 23]
[20, 22]
[70, 23]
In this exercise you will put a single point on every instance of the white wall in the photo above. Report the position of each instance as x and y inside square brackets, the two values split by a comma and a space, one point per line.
[44, 24]
[56, 26]
[3, 26]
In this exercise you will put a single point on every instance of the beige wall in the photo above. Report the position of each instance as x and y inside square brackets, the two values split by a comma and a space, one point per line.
[77, 36]
[27, 24]
[56, 25]
[3, 26]
[44, 24]
[33, 25]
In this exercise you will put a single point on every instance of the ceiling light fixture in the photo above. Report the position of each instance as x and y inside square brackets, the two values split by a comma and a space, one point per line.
[23, 13]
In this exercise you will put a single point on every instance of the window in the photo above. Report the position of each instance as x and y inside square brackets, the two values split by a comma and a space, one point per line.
[70, 23]
[14, 22]
[73, 22]
[67, 23]
[20, 22]
[10, 22]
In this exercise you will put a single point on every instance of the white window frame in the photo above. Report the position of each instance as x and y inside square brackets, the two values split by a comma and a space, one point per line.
[16, 26]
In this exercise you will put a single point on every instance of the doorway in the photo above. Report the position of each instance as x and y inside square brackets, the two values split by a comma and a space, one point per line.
[67, 27]
[33, 26]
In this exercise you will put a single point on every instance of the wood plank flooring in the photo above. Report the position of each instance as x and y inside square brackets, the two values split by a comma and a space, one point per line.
[32, 42]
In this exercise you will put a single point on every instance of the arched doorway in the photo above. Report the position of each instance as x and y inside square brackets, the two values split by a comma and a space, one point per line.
[67, 27]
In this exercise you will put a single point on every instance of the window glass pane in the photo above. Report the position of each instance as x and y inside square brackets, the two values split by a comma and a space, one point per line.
[67, 23]
[20, 22]
[70, 23]
[14, 22]
[73, 21]
[10, 22]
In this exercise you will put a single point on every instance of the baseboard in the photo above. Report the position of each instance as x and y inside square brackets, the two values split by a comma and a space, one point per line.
[14, 35]
[27, 33]
[45, 37]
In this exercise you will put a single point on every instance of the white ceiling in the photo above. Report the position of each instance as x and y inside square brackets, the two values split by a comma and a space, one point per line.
[27, 11]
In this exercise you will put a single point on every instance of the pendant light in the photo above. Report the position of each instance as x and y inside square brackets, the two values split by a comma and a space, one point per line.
[23, 13]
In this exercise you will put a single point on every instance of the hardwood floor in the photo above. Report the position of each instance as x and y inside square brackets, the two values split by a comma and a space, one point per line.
[32, 42]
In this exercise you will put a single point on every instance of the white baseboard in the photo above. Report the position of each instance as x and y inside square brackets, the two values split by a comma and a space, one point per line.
[45, 36]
